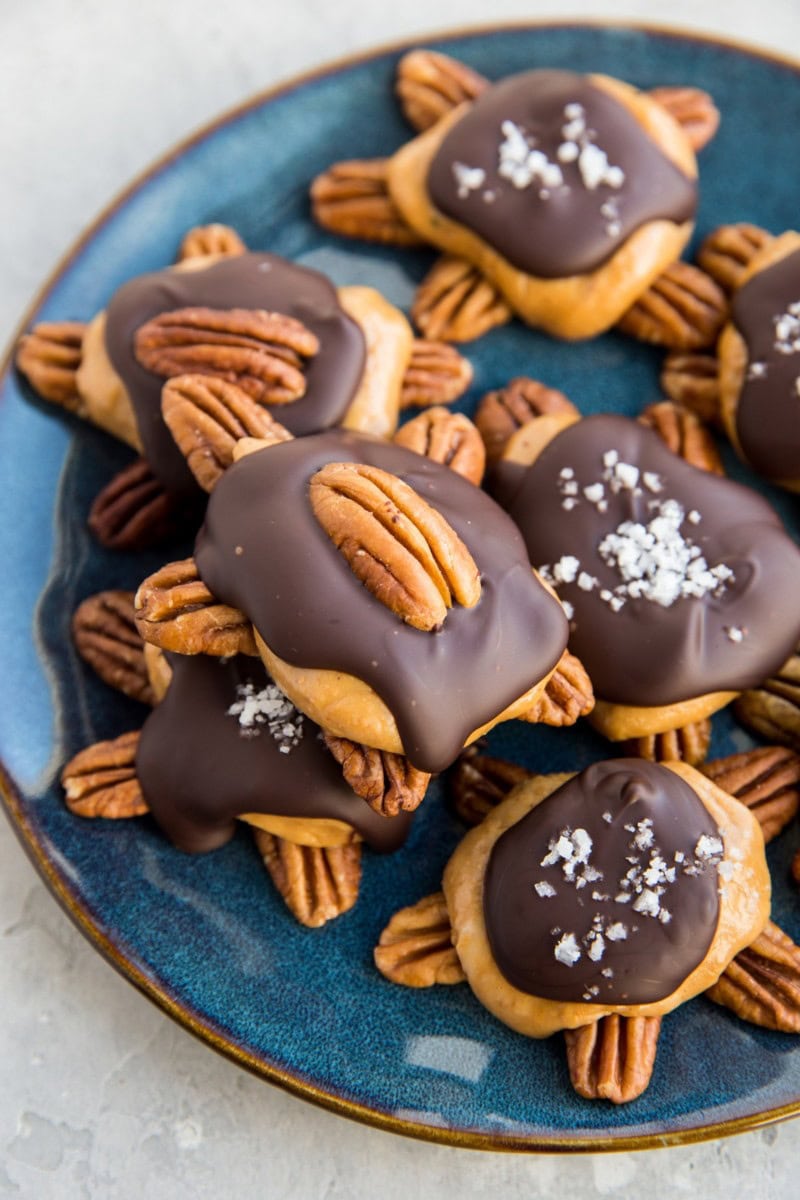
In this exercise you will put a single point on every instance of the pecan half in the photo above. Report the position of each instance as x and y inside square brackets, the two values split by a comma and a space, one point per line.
[436, 374]
[106, 637]
[317, 883]
[693, 381]
[207, 417]
[728, 251]
[415, 947]
[175, 610]
[693, 109]
[501, 413]
[135, 511]
[773, 709]
[49, 357]
[455, 303]
[101, 781]
[684, 309]
[767, 780]
[429, 85]
[762, 984]
[403, 551]
[613, 1058]
[684, 434]
[216, 239]
[448, 438]
[263, 352]
[477, 783]
[567, 696]
[388, 782]
[352, 199]
[689, 744]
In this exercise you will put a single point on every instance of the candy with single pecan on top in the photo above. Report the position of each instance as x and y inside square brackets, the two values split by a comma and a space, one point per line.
[316, 355]
[403, 546]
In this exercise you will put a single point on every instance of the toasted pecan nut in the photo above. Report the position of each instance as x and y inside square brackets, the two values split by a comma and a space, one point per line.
[175, 610]
[502, 412]
[49, 357]
[613, 1058]
[436, 374]
[728, 251]
[477, 783]
[388, 782]
[447, 438]
[455, 303]
[106, 637]
[693, 109]
[767, 780]
[352, 199]
[429, 85]
[101, 781]
[402, 550]
[317, 883]
[693, 381]
[773, 709]
[762, 984]
[415, 947]
[684, 309]
[135, 511]
[684, 434]
[689, 744]
[215, 239]
[263, 352]
[207, 417]
[567, 696]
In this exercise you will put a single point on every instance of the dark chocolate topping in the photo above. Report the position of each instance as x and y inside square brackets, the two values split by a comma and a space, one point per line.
[258, 281]
[768, 415]
[262, 550]
[728, 639]
[555, 227]
[200, 768]
[619, 829]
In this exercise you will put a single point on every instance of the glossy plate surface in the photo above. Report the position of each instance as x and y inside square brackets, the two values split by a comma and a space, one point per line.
[207, 937]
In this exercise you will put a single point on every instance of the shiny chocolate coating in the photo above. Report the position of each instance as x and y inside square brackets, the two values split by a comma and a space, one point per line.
[768, 412]
[640, 958]
[262, 550]
[646, 654]
[256, 281]
[556, 231]
[199, 769]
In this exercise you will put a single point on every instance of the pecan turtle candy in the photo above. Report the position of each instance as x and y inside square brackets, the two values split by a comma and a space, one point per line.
[389, 597]
[563, 199]
[595, 903]
[321, 356]
[679, 584]
[224, 744]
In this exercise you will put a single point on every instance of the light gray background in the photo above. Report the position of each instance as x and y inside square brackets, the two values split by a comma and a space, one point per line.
[101, 1095]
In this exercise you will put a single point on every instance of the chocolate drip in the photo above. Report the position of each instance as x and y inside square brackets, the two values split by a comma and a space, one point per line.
[768, 414]
[259, 281]
[553, 231]
[199, 769]
[262, 550]
[641, 958]
[646, 654]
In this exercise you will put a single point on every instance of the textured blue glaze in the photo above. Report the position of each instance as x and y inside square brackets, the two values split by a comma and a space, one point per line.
[210, 930]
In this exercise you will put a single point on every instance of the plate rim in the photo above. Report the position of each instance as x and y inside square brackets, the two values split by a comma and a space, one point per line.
[13, 803]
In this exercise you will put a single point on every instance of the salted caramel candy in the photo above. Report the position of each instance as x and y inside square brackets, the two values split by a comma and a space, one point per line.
[678, 584]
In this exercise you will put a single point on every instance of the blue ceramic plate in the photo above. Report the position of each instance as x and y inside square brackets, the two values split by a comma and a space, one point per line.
[207, 938]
